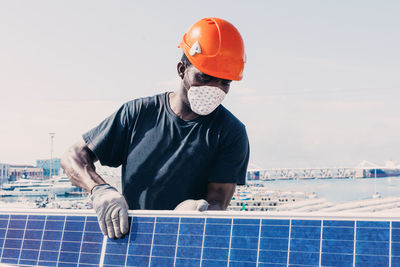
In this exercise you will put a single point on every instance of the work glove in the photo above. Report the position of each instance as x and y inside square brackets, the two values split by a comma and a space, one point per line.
[111, 209]
[191, 204]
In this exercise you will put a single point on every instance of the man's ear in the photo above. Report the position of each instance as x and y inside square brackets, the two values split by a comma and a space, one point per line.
[181, 69]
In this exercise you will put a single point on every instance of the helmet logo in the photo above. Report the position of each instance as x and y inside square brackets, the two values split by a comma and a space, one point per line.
[196, 49]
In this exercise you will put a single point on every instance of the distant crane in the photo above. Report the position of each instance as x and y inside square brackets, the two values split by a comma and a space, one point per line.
[51, 153]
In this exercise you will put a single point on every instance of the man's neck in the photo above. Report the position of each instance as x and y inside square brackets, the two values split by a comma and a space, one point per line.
[178, 106]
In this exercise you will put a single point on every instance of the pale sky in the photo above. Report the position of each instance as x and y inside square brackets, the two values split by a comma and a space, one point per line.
[321, 85]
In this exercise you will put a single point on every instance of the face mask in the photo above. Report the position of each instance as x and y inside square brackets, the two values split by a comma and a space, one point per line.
[205, 99]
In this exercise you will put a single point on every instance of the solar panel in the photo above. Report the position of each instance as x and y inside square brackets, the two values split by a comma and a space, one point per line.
[201, 239]
[50, 240]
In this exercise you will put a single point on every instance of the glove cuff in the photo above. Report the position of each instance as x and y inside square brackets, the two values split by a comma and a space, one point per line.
[99, 188]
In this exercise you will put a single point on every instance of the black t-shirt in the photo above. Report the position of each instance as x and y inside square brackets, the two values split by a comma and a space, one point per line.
[166, 160]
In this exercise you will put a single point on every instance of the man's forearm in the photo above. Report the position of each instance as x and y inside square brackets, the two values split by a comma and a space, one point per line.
[219, 195]
[110, 206]
[78, 164]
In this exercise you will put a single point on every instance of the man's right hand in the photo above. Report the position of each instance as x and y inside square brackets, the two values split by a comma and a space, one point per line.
[111, 209]
[191, 204]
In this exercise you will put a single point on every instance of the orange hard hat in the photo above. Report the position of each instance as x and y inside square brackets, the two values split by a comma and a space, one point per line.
[215, 47]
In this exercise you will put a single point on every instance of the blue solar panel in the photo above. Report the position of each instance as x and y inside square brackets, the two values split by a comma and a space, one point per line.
[205, 240]
[50, 240]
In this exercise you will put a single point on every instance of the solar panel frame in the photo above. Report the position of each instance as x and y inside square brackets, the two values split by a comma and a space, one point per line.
[165, 238]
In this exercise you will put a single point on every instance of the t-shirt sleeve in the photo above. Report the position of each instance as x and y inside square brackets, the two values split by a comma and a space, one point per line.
[109, 140]
[232, 160]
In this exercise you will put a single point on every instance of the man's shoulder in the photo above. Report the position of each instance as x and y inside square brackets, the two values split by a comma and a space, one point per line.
[146, 102]
[227, 119]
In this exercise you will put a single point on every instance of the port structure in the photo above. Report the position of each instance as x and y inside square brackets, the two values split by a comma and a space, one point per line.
[364, 169]
[301, 173]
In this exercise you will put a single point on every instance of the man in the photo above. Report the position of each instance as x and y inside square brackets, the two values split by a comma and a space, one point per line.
[179, 149]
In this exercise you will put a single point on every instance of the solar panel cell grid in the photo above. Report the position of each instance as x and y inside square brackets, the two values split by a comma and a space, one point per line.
[337, 243]
[48, 240]
[178, 241]
[372, 243]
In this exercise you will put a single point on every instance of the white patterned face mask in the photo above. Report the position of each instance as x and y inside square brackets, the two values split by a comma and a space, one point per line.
[205, 99]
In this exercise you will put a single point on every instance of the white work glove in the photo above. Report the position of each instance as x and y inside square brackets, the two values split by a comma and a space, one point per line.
[111, 209]
[191, 204]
